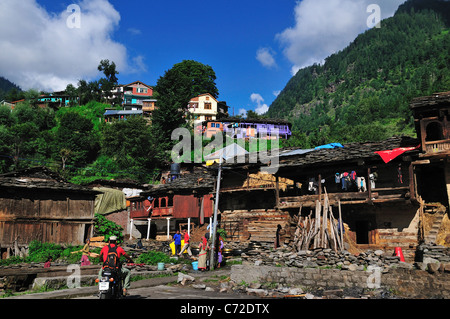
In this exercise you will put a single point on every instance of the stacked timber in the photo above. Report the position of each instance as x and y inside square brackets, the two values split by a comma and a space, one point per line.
[97, 242]
[258, 225]
[265, 230]
[319, 231]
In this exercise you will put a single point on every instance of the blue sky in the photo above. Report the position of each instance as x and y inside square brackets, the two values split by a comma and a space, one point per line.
[253, 46]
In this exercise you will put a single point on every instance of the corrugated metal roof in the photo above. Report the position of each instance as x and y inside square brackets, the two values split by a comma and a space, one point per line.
[126, 112]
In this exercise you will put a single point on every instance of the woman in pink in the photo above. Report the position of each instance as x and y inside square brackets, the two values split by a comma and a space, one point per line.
[85, 257]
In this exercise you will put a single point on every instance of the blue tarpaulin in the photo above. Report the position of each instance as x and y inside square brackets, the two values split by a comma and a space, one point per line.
[331, 145]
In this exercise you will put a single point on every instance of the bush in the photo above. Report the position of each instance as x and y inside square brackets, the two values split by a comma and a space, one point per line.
[155, 257]
[39, 252]
[107, 228]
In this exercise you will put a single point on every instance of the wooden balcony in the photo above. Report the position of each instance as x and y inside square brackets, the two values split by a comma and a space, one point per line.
[434, 147]
[377, 195]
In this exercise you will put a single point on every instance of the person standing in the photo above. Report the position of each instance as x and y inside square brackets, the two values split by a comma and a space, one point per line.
[202, 255]
[186, 244]
[85, 256]
[177, 242]
[219, 252]
[278, 236]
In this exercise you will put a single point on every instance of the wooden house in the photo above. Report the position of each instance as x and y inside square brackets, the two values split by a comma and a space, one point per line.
[115, 198]
[372, 185]
[432, 121]
[185, 201]
[38, 204]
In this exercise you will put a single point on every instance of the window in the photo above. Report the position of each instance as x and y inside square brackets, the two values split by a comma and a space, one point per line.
[208, 106]
[434, 132]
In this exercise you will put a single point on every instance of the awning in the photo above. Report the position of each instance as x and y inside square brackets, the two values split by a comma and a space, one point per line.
[110, 200]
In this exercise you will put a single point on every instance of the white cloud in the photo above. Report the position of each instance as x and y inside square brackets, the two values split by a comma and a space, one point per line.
[265, 57]
[40, 50]
[242, 112]
[261, 107]
[324, 27]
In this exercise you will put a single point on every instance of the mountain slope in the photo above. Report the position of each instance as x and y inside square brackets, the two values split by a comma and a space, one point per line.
[6, 87]
[363, 92]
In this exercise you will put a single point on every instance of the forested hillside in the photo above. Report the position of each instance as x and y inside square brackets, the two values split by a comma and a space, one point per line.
[8, 90]
[363, 92]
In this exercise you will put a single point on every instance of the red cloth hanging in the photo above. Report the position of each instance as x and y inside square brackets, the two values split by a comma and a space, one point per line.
[389, 155]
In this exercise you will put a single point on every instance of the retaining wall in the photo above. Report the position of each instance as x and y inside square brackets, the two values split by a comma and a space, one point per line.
[403, 282]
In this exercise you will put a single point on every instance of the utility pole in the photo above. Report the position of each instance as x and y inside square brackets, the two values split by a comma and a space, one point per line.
[216, 208]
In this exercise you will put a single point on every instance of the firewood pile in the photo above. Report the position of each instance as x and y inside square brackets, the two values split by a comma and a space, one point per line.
[320, 230]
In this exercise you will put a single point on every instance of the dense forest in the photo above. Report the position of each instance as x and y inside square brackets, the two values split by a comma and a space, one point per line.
[363, 92]
[77, 142]
[10, 91]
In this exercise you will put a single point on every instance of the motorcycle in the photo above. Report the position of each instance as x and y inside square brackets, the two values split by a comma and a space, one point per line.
[110, 284]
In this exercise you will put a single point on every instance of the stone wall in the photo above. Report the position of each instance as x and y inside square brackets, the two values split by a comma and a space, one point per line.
[433, 257]
[403, 282]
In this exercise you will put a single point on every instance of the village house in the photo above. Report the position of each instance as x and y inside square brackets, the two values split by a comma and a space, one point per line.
[38, 204]
[115, 198]
[205, 107]
[380, 192]
[247, 128]
[54, 100]
[184, 201]
[136, 98]
[133, 95]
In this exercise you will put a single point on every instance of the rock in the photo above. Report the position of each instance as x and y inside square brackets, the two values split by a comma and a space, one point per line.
[295, 291]
[199, 286]
[433, 267]
[257, 292]
[445, 267]
[255, 285]
[175, 268]
[379, 252]
[352, 267]
[183, 279]
[426, 261]
[210, 289]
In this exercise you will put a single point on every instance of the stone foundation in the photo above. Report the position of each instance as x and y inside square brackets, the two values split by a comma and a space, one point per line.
[402, 282]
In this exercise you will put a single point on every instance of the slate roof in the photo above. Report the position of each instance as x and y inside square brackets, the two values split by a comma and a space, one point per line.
[350, 152]
[353, 152]
[40, 178]
[435, 100]
[201, 180]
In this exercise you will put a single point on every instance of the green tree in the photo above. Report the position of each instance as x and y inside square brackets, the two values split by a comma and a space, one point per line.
[128, 144]
[110, 80]
[77, 137]
[174, 90]
[72, 92]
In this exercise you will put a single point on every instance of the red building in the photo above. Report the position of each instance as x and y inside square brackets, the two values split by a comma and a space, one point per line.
[186, 201]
